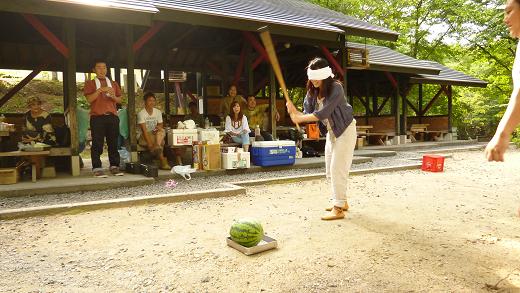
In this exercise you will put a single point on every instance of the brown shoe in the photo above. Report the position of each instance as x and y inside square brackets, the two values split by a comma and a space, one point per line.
[100, 174]
[345, 208]
[116, 172]
[335, 214]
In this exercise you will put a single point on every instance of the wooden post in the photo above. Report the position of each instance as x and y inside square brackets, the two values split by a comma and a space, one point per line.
[272, 95]
[70, 69]
[367, 100]
[450, 108]
[203, 92]
[198, 77]
[167, 109]
[130, 86]
[405, 109]
[117, 73]
[375, 102]
[249, 70]
[65, 80]
[343, 56]
[420, 102]
[397, 113]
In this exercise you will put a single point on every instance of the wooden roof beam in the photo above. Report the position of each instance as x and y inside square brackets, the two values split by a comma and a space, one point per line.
[47, 34]
[256, 44]
[332, 60]
[430, 104]
[240, 67]
[19, 86]
[152, 31]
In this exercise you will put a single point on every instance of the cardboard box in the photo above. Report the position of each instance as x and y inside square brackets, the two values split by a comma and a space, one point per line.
[210, 136]
[211, 156]
[9, 175]
[182, 136]
[236, 160]
[196, 156]
[267, 243]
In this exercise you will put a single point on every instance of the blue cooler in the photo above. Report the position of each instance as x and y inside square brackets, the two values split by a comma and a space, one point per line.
[273, 153]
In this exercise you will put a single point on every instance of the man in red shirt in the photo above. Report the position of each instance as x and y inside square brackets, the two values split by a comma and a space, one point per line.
[103, 94]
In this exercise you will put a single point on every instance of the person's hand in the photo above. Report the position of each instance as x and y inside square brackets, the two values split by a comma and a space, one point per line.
[110, 93]
[497, 147]
[296, 117]
[290, 107]
[277, 116]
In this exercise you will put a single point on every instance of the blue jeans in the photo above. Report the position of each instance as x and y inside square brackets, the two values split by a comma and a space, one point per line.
[241, 139]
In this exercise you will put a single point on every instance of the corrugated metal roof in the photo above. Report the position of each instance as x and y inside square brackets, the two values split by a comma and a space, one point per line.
[448, 76]
[134, 5]
[385, 59]
[295, 13]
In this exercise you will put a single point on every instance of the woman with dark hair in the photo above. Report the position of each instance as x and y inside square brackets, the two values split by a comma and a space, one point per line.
[325, 102]
[237, 126]
[498, 145]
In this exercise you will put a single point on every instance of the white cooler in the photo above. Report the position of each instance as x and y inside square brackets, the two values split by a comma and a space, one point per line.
[182, 136]
[211, 136]
[236, 160]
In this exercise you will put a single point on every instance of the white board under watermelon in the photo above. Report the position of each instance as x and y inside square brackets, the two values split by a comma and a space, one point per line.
[267, 243]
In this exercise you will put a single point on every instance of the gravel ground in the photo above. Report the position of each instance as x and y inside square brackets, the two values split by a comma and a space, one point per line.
[196, 184]
[406, 231]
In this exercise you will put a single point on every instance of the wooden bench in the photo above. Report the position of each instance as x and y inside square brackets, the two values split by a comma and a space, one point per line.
[422, 131]
[380, 137]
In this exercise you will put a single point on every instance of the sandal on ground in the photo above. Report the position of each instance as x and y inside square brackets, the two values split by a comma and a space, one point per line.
[345, 208]
[335, 214]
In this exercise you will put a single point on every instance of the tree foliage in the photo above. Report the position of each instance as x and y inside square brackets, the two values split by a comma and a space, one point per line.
[466, 35]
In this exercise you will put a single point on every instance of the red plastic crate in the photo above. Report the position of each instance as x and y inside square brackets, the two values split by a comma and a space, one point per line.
[433, 163]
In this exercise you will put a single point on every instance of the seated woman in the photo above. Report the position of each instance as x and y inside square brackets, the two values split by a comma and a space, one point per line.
[38, 127]
[237, 126]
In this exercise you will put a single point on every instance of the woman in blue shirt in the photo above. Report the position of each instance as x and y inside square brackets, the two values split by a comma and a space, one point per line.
[325, 102]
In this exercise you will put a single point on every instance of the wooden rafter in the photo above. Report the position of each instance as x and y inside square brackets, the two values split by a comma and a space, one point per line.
[257, 62]
[19, 86]
[152, 31]
[47, 34]
[412, 106]
[380, 108]
[332, 60]
[256, 44]
[240, 67]
[430, 104]
[182, 37]
[392, 80]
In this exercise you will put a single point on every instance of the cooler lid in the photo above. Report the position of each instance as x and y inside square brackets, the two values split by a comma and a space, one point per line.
[275, 143]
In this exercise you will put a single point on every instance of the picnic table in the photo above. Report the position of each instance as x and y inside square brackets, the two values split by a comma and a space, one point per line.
[35, 158]
[421, 131]
[364, 131]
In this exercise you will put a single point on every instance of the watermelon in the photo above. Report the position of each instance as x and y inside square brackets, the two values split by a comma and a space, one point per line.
[247, 232]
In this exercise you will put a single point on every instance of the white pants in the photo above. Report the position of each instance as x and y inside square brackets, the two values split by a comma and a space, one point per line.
[338, 159]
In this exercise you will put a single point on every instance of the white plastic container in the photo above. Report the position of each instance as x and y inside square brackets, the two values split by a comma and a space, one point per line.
[236, 160]
[210, 136]
[182, 136]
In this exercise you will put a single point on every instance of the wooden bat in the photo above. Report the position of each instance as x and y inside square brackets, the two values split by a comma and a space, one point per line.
[271, 53]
